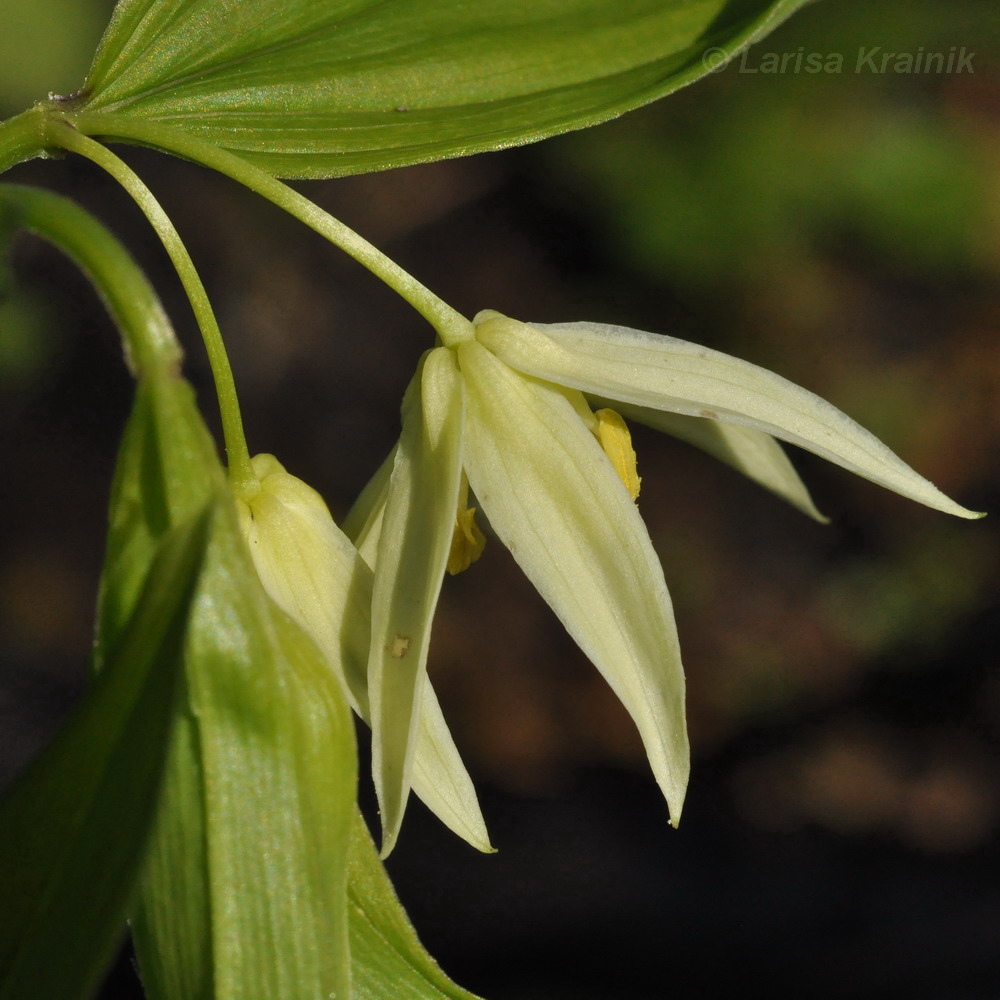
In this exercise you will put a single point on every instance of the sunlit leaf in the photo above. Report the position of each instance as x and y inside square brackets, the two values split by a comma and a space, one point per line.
[75, 824]
[244, 891]
[311, 88]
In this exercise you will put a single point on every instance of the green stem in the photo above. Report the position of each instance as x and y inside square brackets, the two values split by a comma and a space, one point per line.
[22, 138]
[148, 338]
[451, 326]
[242, 476]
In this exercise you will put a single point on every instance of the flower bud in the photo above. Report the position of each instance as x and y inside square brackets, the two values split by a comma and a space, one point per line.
[309, 568]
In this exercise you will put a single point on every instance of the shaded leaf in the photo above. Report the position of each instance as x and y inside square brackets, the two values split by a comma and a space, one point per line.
[167, 468]
[76, 822]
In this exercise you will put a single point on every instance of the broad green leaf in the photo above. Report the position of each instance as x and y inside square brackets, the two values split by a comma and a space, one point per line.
[166, 466]
[245, 894]
[387, 959]
[75, 824]
[244, 890]
[317, 88]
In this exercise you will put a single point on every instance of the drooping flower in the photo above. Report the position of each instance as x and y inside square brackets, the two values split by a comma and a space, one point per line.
[508, 410]
[316, 576]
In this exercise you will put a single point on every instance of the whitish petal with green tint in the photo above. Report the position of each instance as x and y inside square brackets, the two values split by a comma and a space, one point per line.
[557, 503]
[363, 524]
[314, 574]
[756, 454]
[648, 369]
[310, 569]
[440, 779]
[413, 548]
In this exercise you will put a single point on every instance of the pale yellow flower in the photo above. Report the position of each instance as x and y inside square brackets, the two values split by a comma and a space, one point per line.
[314, 574]
[508, 411]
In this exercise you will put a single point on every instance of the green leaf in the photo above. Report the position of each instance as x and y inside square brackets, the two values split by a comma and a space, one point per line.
[317, 88]
[167, 469]
[76, 822]
[244, 890]
[387, 959]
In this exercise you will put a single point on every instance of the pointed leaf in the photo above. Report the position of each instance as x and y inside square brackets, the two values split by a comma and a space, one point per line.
[557, 503]
[75, 824]
[167, 466]
[648, 369]
[387, 959]
[327, 87]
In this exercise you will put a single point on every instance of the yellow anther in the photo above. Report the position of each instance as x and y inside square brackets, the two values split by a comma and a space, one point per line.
[467, 543]
[612, 433]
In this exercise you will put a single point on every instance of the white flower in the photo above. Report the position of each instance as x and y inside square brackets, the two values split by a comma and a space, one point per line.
[503, 410]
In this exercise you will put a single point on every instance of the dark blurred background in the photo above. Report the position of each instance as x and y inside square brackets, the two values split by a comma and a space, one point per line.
[842, 229]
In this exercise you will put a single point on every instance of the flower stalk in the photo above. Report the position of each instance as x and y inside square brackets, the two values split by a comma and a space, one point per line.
[450, 325]
[242, 476]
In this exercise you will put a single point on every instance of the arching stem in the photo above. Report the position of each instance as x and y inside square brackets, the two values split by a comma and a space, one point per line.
[242, 476]
[450, 325]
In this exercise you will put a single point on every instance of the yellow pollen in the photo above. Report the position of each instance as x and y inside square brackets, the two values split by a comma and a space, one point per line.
[613, 435]
[467, 542]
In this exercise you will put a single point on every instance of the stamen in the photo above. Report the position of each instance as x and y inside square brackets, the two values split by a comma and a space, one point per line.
[467, 543]
[614, 437]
